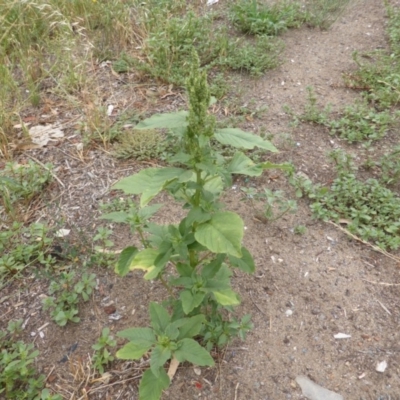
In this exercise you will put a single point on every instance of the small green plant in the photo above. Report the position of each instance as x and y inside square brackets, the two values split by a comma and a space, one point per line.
[275, 203]
[312, 112]
[260, 19]
[378, 76]
[21, 247]
[18, 379]
[142, 145]
[65, 296]
[300, 230]
[323, 13]
[102, 355]
[390, 167]
[20, 183]
[359, 122]
[194, 258]
[253, 59]
[370, 211]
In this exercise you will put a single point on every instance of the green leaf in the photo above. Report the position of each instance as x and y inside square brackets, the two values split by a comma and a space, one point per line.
[161, 178]
[151, 387]
[214, 184]
[190, 350]
[144, 335]
[226, 297]
[159, 317]
[223, 233]
[147, 212]
[284, 167]
[133, 351]
[116, 216]
[192, 326]
[137, 183]
[241, 164]
[237, 138]
[168, 120]
[245, 263]
[209, 270]
[144, 260]
[190, 301]
[125, 260]
[141, 340]
[159, 356]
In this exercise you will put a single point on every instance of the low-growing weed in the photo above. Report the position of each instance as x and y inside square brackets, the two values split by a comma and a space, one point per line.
[102, 355]
[390, 167]
[360, 122]
[19, 184]
[379, 75]
[18, 378]
[65, 294]
[357, 122]
[21, 247]
[252, 58]
[252, 17]
[275, 204]
[323, 13]
[369, 210]
[142, 145]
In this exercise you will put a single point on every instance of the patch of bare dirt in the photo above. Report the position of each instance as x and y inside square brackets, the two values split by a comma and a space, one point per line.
[306, 289]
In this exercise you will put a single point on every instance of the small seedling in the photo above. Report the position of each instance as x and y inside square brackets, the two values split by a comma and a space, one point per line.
[300, 230]
[65, 295]
[102, 355]
[18, 379]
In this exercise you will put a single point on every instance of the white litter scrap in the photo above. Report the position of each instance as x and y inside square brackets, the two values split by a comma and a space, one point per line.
[43, 134]
[316, 392]
[211, 2]
[381, 366]
[342, 336]
[62, 232]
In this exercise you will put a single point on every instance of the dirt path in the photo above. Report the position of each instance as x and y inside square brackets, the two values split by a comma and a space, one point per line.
[306, 289]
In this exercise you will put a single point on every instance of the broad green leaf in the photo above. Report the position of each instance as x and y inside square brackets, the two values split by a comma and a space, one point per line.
[223, 233]
[116, 216]
[144, 260]
[190, 301]
[237, 138]
[241, 164]
[245, 263]
[197, 214]
[172, 331]
[151, 387]
[147, 212]
[159, 356]
[221, 280]
[143, 336]
[159, 317]
[190, 350]
[226, 297]
[285, 166]
[184, 269]
[159, 180]
[209, 270]
[133, 351]
[192, 326]
[214, 184]
[125, 260]
[137, 183]
[169, 120]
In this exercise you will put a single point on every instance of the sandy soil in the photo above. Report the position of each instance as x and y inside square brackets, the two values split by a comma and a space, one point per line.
[328, 283]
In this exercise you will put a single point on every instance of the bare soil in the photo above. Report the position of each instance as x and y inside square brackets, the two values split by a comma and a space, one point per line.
[330, 284]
